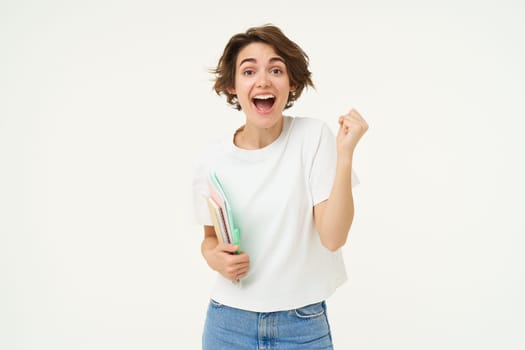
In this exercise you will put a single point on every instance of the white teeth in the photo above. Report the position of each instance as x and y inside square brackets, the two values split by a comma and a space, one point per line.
[263, 97]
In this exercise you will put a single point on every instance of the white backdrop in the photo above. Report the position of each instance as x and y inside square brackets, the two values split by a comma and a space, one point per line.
[104, 104]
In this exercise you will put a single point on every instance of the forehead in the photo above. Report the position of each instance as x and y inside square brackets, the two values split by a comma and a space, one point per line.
[257, 52]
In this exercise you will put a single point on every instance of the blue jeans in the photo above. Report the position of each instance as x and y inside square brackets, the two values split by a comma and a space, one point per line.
[228, 328]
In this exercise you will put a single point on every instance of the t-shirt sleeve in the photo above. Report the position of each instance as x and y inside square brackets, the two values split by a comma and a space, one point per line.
[323, 168]
[201, 192]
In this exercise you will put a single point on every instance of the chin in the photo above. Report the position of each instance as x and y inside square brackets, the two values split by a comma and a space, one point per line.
[266, 121]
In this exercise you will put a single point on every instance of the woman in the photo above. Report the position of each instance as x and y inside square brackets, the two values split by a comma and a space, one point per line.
[289, 183]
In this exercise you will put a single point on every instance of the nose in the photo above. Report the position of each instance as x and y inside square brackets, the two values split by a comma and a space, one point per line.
[264, 81]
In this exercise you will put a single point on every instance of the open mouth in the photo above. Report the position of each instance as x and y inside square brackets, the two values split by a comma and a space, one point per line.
[264, 103]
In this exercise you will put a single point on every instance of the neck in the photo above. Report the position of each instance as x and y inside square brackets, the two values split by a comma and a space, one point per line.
[251, 137]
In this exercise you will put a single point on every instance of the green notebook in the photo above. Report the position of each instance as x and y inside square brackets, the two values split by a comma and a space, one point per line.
[233, 231]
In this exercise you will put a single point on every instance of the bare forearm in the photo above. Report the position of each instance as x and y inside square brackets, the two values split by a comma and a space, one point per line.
[208, 244]
[338, 213]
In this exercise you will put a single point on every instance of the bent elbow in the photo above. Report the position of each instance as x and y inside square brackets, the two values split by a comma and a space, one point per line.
[332, 244]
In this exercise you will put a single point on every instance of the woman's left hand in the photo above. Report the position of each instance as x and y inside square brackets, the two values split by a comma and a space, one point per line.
[352, 127]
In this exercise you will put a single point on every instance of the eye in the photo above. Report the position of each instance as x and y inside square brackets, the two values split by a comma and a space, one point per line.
[276, 71]
[248, 72]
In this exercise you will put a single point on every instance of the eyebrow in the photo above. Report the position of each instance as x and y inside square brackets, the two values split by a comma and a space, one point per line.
[253, 60]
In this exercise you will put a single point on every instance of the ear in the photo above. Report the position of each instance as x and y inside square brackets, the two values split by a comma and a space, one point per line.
[231, 91]
[292, 88]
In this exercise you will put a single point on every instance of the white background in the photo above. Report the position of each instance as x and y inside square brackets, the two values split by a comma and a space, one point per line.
[104, 104]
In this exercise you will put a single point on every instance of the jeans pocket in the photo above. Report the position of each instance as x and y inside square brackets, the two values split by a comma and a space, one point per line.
[215, 304]
[310, 311]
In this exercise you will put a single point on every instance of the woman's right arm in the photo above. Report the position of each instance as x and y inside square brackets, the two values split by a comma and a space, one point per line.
[221, 257]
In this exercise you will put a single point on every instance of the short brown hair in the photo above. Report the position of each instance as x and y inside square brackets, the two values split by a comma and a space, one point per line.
[295, 59]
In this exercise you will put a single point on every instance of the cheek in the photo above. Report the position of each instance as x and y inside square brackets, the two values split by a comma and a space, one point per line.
[242, 88]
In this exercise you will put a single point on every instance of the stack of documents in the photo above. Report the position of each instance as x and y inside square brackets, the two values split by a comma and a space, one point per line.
[221, 213]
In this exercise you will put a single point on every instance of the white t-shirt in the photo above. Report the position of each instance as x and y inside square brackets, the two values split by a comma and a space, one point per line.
[272, 192]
